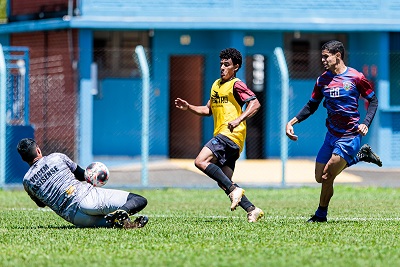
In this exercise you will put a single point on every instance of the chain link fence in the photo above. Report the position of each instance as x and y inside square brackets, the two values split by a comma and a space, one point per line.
[50, 110]
[41, 103]
[54, 104]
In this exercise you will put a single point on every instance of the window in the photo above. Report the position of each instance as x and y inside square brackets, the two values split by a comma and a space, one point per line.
[303, 53]
[300, 61]
[114, 50]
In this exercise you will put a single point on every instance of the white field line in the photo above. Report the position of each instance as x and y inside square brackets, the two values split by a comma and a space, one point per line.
[291, 218]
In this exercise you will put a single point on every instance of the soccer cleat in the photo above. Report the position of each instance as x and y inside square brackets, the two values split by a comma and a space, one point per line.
[315, 218]
[139, 222]
[366, 154]
[117, 218]
[236, 196]
[255, 215]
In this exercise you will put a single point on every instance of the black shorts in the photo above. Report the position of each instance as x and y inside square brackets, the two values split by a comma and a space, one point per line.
[225, 150]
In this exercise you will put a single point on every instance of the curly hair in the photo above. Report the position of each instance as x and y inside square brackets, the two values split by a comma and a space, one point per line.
[333, 47]
[232, 53]
[27, 149]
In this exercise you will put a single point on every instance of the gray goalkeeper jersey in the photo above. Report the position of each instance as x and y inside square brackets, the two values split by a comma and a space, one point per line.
[51, 181]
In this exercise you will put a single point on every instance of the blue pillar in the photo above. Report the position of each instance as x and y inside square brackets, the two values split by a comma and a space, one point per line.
[85, 139]
[381, 132]
[236, 41]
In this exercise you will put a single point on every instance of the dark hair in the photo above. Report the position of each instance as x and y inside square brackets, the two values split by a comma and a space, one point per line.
[27, 149]
[333, 47]
[232, 53]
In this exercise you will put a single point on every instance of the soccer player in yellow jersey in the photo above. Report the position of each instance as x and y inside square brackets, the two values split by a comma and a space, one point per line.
[218, 157]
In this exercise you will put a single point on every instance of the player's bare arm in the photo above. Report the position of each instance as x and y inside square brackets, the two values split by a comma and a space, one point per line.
[290, 129]
[251, 109]
[198, 110]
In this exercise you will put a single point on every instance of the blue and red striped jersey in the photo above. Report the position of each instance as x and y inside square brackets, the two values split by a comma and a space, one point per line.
[341, 94]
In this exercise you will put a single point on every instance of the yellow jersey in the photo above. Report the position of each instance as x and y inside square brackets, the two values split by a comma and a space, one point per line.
[226, 108]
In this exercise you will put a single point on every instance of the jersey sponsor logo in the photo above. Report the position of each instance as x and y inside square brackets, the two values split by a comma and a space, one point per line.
[70, 190]
[217, 99]
[347, 85]
[41, 176]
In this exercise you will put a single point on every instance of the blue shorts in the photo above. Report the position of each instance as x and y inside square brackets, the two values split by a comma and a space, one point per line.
[346, 148]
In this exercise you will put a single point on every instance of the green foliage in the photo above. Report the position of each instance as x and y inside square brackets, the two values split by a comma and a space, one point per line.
[197, 228]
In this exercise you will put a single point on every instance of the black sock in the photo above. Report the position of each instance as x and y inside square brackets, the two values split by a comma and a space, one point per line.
[216, 173]
[321, 212]
[246, 204]
[134, 203]
[229, 190]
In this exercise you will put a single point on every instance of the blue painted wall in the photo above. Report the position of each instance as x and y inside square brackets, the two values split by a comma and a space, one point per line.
[117, 118]
[4, 39]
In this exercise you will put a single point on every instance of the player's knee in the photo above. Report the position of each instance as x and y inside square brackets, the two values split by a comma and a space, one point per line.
[196, 163]
[325, 177]
[318, 178]
[135, 203]
[142, 202]
[199, 164]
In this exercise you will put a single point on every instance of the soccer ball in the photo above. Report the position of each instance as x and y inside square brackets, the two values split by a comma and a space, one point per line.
[97, 174]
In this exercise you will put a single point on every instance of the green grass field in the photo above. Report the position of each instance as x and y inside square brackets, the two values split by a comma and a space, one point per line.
[197, 228]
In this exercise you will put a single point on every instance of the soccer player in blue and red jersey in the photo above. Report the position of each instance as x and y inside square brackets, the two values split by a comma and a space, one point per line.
[341, 86]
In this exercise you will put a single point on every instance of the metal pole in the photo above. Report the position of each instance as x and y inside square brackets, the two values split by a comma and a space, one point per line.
[284, 107]
[144, 67]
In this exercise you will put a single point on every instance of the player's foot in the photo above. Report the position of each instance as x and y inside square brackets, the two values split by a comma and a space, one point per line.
[255, 215]
[139, 222]
[366, 154]
[236, 197]
[315, 218]
[117, 218]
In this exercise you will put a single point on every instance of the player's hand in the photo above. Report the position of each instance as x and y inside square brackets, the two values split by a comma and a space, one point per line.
[362, 129]
[181, 104]
[290, 132]
[233, 124]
